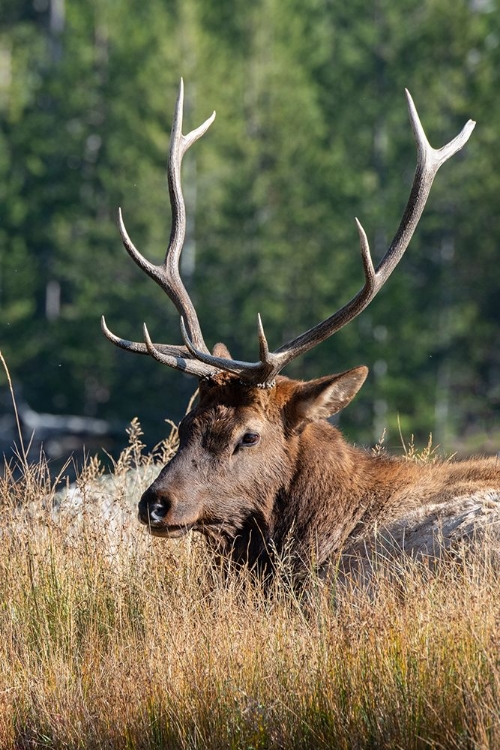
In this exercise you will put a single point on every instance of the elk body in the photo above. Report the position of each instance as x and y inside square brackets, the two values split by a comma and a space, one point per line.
[260, 470]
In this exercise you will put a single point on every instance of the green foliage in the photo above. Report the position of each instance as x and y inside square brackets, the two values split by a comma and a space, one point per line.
[311, 131]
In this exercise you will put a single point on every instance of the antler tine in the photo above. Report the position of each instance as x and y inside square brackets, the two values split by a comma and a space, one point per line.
[131, 346]
[174, 356]
[167, 275]
[177, 357]
[179, 144]
[428, 162]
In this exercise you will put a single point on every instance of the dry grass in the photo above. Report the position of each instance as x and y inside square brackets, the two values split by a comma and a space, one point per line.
[112, 639]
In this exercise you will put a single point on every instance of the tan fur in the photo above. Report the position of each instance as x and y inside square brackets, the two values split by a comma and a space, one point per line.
[302, 489]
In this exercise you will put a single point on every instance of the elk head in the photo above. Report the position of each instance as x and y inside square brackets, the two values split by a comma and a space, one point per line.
[238, 452]
[241, 446]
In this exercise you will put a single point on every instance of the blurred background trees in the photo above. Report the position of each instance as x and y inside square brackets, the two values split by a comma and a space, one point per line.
[311, 131]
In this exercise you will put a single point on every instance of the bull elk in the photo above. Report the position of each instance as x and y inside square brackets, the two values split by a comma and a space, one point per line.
[259, 468]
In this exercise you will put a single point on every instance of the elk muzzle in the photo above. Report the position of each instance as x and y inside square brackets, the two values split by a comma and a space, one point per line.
[157, 510]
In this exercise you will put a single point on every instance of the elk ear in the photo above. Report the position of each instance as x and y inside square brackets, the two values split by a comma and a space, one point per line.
[221, 350]
[321, 398]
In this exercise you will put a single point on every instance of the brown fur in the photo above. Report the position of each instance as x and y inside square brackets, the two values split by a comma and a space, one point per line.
[302, 489]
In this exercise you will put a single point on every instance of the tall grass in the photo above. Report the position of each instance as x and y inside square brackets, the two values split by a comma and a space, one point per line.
[112, 639]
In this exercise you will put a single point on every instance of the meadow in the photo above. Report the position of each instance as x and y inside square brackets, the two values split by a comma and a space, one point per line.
[112, 639]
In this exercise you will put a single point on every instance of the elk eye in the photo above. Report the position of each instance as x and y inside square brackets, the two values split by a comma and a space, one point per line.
[249, 438]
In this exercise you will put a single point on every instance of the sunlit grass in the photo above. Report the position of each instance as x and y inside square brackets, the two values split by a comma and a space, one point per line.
[112, 639]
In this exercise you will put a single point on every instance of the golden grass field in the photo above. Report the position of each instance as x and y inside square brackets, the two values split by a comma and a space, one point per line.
[112, 639]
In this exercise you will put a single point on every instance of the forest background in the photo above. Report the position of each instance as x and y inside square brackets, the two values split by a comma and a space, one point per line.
[311, 131]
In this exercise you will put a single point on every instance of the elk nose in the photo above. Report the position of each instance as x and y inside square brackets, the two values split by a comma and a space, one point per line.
[153, 507]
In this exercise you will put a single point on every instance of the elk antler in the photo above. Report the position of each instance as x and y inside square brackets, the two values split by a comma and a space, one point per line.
[167, 275]
[195, 357]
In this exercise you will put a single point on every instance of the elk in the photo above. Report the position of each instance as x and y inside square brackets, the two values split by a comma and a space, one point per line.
[259, 468]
